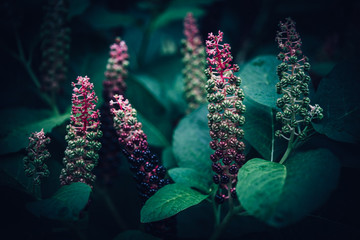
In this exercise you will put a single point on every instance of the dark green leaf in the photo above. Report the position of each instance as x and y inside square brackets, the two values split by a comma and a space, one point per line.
[192, 178]
[100, 17]
[154, 135]
[191, 142]
[66, 204]
[310, 178]
[12, 174]
[135, 235]
[175, 13]
[259, 79]
[338, 95]
[259, 187]
[15, 137]
[77, 7]
[168, 201]
[260, 129]
[168, 159]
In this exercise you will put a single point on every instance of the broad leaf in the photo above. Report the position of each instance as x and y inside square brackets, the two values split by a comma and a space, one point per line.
[192, 178]
[259, 187]
[168, 201]
[15, 137]
[338, 95]
[77, 7]
[12, 174]
[99, 17]
[135, 235]
[259, 127]
[168, 159]
[154, 135]
[191, 142]
[281, 195]
[259, 79]
[66, 204]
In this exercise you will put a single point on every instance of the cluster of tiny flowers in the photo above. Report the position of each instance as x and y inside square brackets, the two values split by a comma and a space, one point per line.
[296, 112]
[55, 46]
[146, 166]
[114, 83]
[116, 70]
[194, 60]
[82, 136]
[37, 154]
[225, 116]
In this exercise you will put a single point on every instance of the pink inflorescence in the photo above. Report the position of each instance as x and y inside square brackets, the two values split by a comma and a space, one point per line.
[37, 154]
[116, 70]
[225, 116]
[194, 64]
[82, 136]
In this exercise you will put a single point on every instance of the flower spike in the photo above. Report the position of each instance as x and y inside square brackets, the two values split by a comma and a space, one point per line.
[225, 116]
[296, 112]
[194, 60]
[37, 154]
[82, 136]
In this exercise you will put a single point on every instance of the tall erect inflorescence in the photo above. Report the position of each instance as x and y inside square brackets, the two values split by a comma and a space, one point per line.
[114, 83]
[82, 136]
[296, 112]
[148, 171]
[55, 45]
[225, 116]
[116, 70]
[37, 154]
[194, 64]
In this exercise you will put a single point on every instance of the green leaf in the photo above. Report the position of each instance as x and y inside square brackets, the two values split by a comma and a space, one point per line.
[309, 177]
[154, 135]
[192, 178]
[12, 174]
[77, 7]
[176, 13]
[168, 201]
[191, 142]
[66, 204]
[15, 137]
[260, 129]
[259, 79]
[339, 97]
[168, 158]
[259, 187]
[135, 235]
[99, 17]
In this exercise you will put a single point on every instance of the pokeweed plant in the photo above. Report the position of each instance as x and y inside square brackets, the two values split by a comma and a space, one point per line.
[211, 165]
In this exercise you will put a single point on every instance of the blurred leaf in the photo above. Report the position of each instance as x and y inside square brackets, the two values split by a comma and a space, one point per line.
[310, 178]
[168, 159]
[192, 178]
[338, 95]
[15, 137]
[77, 7]
[66, 204]
[154, 136]
[259, 127]
[191, 142]
[176, 13]
[100, 17]
[168, 201]
[135, 235]
[259, 79]
[12, 174]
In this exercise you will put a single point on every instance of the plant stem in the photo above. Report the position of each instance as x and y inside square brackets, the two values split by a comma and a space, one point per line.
[289, 148]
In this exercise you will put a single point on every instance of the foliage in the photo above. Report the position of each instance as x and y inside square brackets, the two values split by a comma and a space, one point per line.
[312, 189]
